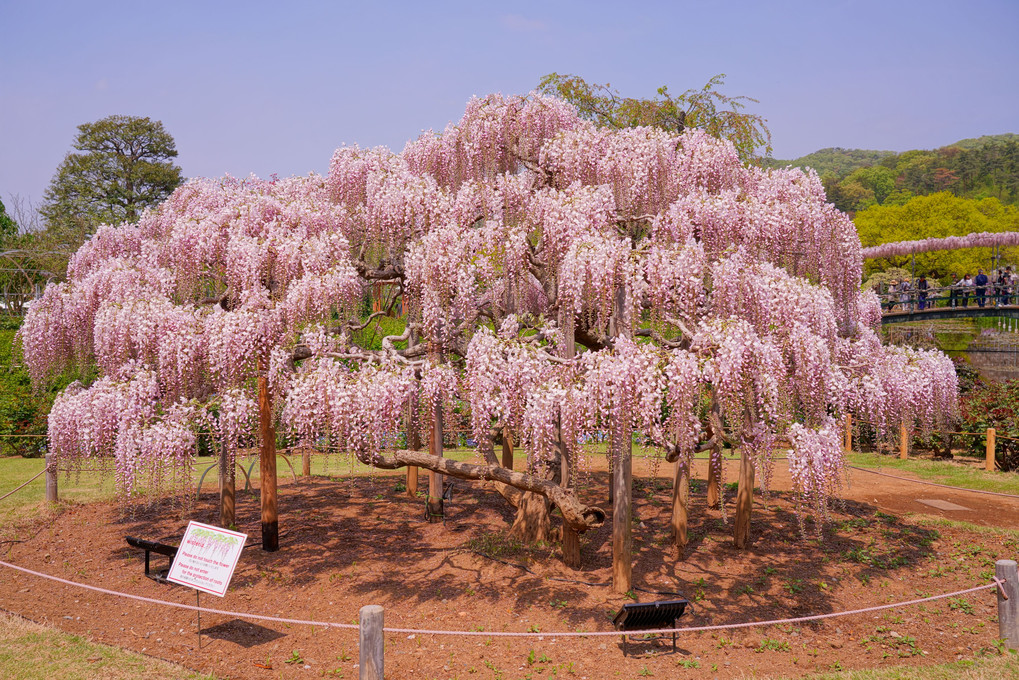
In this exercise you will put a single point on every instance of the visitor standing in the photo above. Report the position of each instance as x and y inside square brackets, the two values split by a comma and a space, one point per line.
[980, 287]
[904, 295]
[921, 292]
[965, 286]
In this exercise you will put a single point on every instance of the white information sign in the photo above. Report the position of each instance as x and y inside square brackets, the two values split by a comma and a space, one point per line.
[206, 558]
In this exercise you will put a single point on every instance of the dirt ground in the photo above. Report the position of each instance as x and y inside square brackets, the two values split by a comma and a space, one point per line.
[350, 542]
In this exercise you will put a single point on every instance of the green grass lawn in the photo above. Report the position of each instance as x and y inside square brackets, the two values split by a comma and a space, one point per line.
[92, 486]
[941, 472]
[990, 668]
[29, 651]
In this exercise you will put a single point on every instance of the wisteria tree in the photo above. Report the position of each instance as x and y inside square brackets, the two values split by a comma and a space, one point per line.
[563, 281]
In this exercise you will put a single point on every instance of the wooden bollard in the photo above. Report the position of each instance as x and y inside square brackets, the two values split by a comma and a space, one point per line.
[51, 479]
[1008, 610]
[848, 445]
[371, 644]
[903, 442]
[306, 463]
[989, 464]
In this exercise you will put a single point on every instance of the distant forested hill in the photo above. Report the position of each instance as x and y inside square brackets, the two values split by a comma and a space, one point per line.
[834, 161]
[977, 142]
[856, 179]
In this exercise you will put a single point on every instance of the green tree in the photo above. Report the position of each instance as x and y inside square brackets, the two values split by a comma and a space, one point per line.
[936, 216]
[8, 227]
[121, 165]
[707, 108]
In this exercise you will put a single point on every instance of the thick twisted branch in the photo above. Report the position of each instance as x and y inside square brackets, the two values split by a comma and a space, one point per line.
[578, 516]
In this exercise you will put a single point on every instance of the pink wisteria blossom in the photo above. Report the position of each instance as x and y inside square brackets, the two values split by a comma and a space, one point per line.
[682, 277]
[983, 239]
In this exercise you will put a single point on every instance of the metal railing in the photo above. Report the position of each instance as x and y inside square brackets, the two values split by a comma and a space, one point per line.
[912, 299]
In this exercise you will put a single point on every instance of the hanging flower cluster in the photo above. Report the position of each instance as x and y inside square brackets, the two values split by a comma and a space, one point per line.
[363, 408]
[815, 465]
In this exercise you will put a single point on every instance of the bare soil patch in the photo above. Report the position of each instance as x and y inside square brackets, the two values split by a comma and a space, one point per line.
[350, 542]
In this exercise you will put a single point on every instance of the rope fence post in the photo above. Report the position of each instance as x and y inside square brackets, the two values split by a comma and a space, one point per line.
[989, 464]
[371, 646]
[51, 479]
[1008, 609]
[903, 441]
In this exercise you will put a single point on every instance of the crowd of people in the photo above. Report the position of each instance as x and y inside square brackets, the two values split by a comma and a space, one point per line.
[997, 289]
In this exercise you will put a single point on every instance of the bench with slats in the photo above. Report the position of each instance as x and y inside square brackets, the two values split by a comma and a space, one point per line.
[638, 616]
[154, 547]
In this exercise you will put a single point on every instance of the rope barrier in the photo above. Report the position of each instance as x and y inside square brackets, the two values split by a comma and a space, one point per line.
[943, 486]
[24, 485]
[997, 583]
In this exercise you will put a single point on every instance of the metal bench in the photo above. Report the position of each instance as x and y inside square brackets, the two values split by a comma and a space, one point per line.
[154, 547]
[638, 616]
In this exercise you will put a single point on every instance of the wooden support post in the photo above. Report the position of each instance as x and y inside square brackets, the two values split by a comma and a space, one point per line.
[715, 460]
[744, 501]
[989, 463]
[227, 489]
[371, 644]
[413, 430]
[1008, 609]
[610, 460]
[414, 444]
[622, 511]
[306, 462]
[713, 477]
[267, 469]
[848, 446]
[507, 448]
[571, 539]
[622, 474]
[903, 441]
[51, 478]
[680, 500]
[435, 480]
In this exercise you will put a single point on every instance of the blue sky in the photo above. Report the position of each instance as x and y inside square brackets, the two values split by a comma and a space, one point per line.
[272, 87]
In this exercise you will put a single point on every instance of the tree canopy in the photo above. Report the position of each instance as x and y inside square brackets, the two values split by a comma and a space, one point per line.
[121, 166]
[707, 108]
[855, 179]
[562, 280]
[937, 216]
[8, 227]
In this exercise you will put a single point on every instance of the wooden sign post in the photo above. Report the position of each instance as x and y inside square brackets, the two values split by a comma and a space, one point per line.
[205, 561]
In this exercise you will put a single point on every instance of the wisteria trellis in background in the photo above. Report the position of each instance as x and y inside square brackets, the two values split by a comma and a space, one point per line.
[983, 239]
[712, 303]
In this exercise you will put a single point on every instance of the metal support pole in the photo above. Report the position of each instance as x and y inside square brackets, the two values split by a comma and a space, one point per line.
[1008, 602]
[198, 601]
